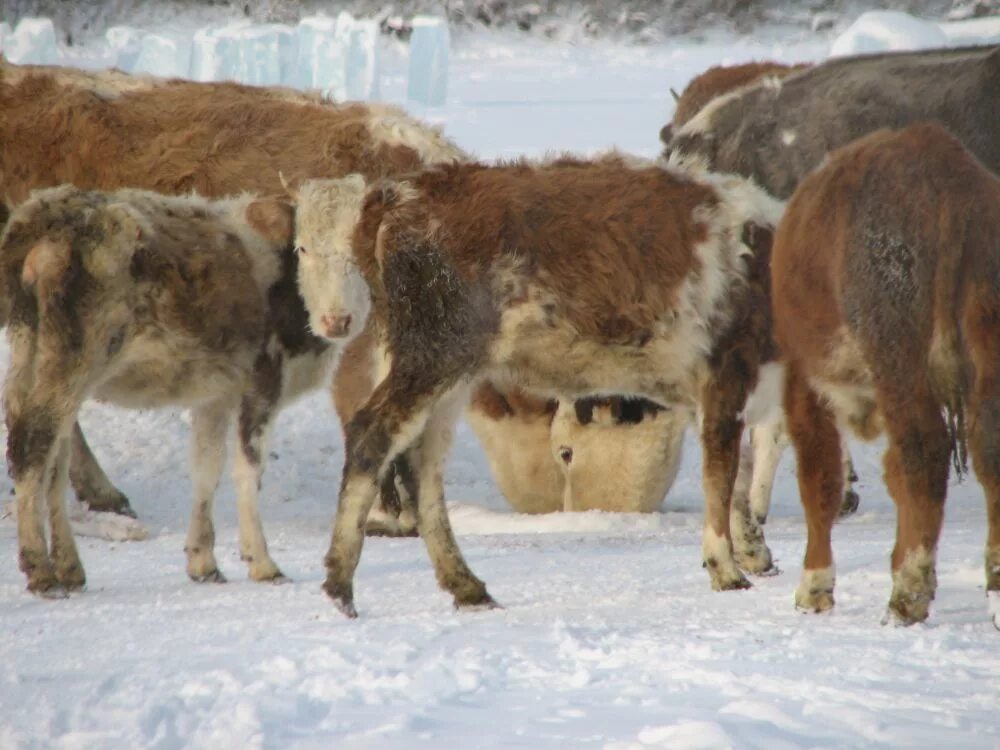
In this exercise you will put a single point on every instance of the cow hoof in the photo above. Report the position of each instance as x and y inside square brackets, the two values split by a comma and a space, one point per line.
[756, 561]
[214, 576]
[850, 504]
[761, 519]
[485, 603]
[267, 573]
[342, 595]
[111, 503]
[813, 601]
[907, 609]
[72, 577]
[53, 593]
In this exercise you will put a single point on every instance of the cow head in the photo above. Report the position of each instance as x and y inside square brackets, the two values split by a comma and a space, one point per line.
[330, 280]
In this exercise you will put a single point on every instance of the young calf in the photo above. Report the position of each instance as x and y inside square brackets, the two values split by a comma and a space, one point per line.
[146, 300]
[886, 274]
[570, 279]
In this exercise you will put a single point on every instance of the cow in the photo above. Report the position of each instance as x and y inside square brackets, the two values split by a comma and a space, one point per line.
[778, 130]
[886, 273]
[147, 300]
[719, 80]
[615, 454]
[568, 278]
[107, 130]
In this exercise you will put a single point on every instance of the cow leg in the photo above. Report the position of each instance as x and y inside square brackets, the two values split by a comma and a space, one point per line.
[255, 422]
[453, 574]
[69, 569]
[721, 430]
[984, 446]
[750, 549]
[42, 395]
[813, 432]
[849, 505]
[767, 443]
[209, 426]
[916, 473]
[91, 484]
[395, 514]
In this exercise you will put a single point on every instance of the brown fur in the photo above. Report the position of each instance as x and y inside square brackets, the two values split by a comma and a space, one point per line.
[569, 279]
[719, 80]
[178, 136]
[145, 300]
[886, 270]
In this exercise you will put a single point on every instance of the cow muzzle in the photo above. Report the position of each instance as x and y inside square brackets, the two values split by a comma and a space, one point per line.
[336, 325]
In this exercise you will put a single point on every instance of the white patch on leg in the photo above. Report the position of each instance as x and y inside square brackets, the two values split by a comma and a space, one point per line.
[815, 591]
[718, 556]
[768, 442]
[993, 607]
[914, 584]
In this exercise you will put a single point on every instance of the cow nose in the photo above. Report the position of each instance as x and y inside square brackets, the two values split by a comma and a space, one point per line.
[566, 454]
[336, 326]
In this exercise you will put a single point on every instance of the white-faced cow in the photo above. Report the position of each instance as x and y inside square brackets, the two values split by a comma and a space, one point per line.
[108, 130]
[146, 300]
[779, 129]
[571, 278]
[886, 278]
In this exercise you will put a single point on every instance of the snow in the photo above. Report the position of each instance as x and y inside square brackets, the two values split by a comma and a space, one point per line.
[428, 79]
[886, 30]
[160, 54]
[32, 42]
[610, 637]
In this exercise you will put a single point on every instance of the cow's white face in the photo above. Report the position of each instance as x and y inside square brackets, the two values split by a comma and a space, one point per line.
[330, 281]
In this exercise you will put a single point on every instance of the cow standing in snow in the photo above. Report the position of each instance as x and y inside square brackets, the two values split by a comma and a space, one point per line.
[146, 300]
[886, 274]
[570, 278]
[779, 129]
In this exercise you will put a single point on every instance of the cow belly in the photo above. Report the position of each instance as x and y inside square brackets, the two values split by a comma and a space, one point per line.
[161, 378]
[554, 359]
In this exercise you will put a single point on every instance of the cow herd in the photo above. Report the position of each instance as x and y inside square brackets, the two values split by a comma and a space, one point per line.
[817, 252]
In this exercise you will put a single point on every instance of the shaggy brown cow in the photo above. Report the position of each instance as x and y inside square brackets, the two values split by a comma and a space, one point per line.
[719, 80]
[146, 300]
[110, 130]
[571, 278]
[886, 274]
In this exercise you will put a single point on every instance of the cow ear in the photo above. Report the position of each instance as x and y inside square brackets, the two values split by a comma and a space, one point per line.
[290, 189]
[272, 219]
[666, 133]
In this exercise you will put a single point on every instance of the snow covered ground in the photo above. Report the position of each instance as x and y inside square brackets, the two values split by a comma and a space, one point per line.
[610, 638]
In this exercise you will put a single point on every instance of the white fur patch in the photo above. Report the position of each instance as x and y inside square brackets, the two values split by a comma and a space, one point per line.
[394, 127]
[815, 591]
[788, 137]
[765, 403]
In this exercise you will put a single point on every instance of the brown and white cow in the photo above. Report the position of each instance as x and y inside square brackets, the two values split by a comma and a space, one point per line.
[571, 278]
[719, 80]
[108, 130]
[886, 278]
[146, 300]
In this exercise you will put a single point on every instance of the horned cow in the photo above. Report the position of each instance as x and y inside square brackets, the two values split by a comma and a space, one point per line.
[570, 279]
[886, 273]
[108, 130]
[145, 300]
